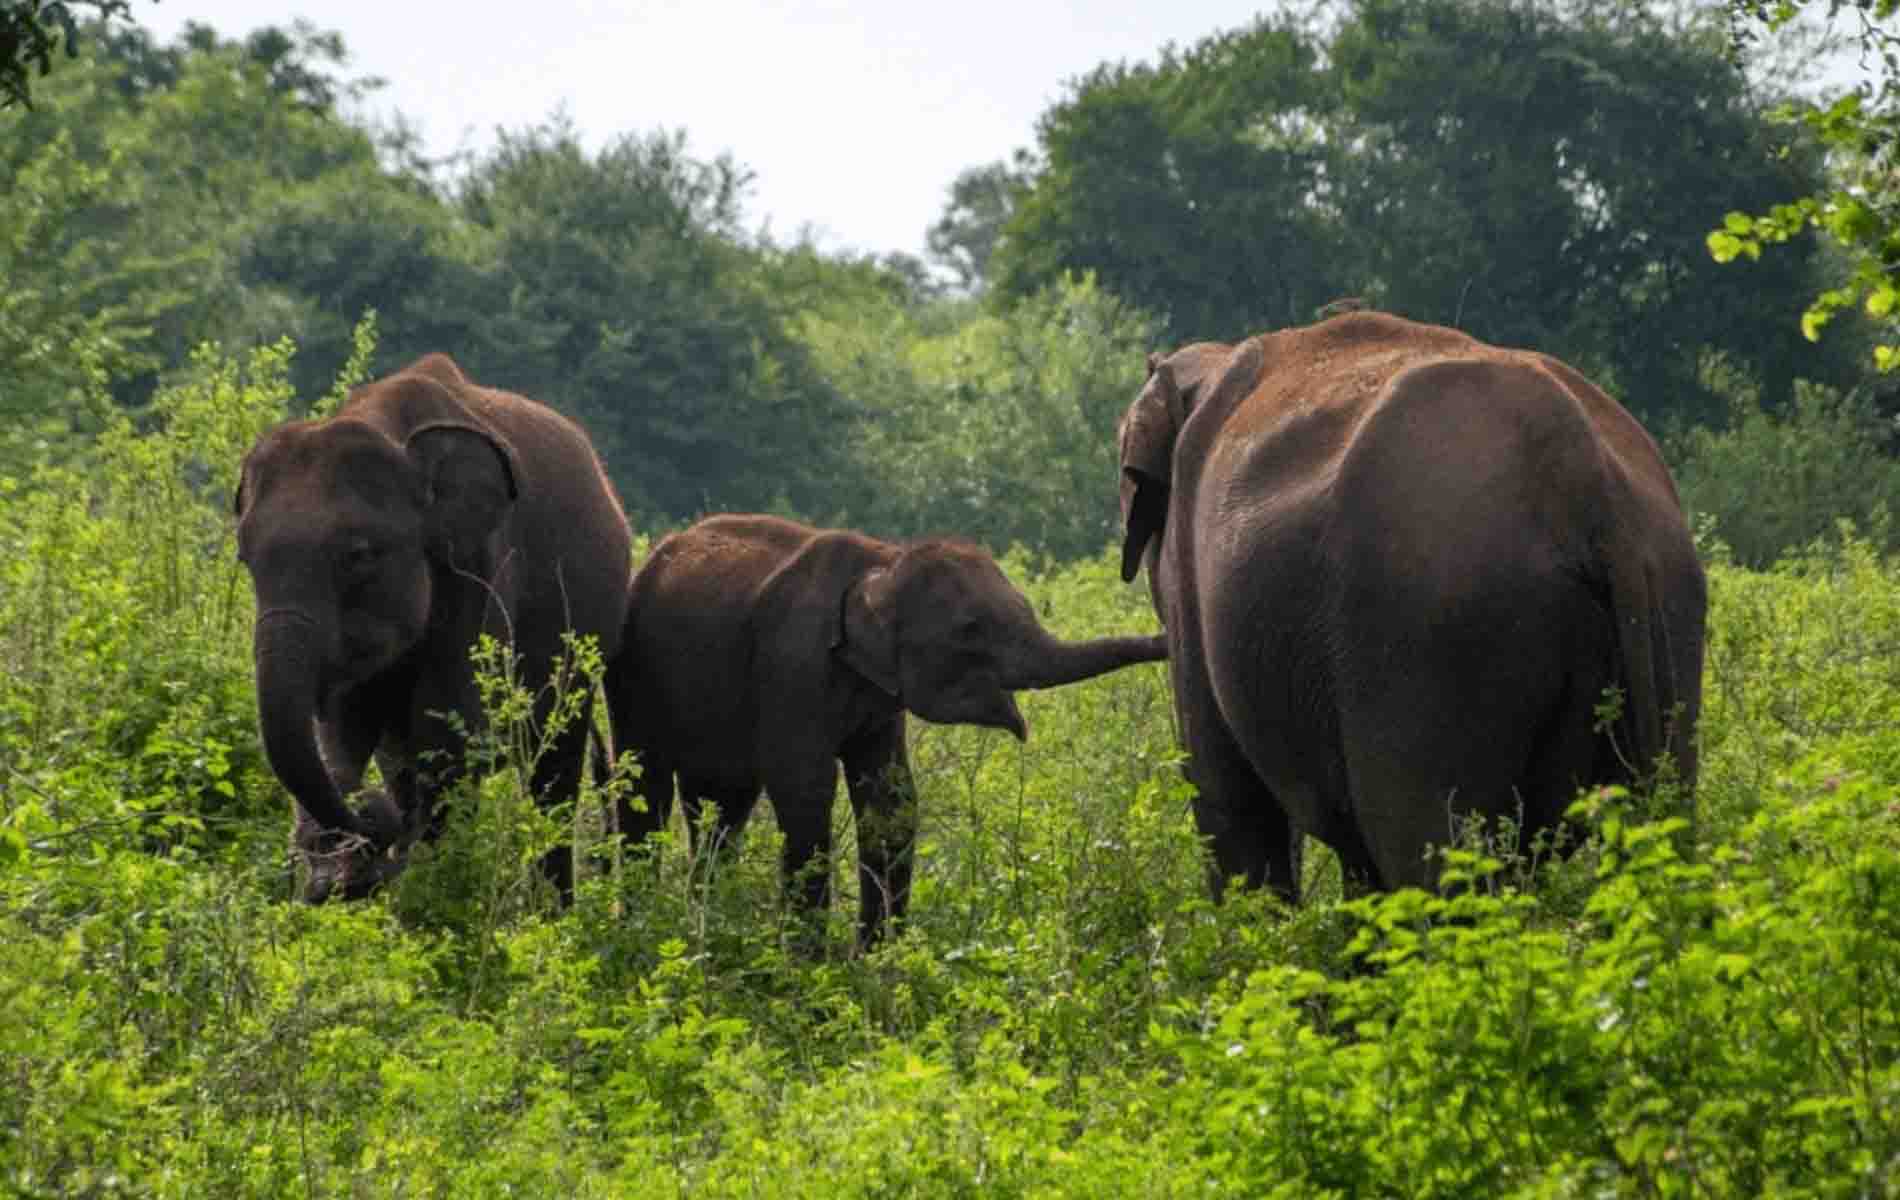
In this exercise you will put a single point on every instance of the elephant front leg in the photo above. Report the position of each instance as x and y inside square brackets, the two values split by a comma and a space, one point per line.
[556, 783]
[884, 803]
[802, 800]
[731, 809]
[347, 734]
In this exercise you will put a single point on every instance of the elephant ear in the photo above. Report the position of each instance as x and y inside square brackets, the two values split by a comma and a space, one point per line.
[471, 476]
[1147, 456]
[866, 634]
[1154, 422]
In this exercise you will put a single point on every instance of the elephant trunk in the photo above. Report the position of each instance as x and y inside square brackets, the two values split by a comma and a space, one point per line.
[288, 647]
[1056, 662]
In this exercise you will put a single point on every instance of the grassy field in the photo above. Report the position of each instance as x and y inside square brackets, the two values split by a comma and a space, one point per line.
[1705, 1006]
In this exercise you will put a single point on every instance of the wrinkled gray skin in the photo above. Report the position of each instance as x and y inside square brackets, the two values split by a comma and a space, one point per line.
[760, 653]
[1398, 568]
[381, 541]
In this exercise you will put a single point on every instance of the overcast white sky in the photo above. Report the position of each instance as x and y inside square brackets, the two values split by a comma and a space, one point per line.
[853, 115]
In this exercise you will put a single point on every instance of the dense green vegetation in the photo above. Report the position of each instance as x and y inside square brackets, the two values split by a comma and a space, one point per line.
[1690, 1003]
[1067, 1014]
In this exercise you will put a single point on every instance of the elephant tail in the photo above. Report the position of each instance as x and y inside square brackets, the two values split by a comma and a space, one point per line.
[1642, 640]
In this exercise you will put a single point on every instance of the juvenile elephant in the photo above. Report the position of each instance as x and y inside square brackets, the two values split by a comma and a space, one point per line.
[381, 541]
[1398, 569]
[760, 652]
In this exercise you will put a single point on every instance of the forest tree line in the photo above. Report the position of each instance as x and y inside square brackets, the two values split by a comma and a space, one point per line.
[1556, 193]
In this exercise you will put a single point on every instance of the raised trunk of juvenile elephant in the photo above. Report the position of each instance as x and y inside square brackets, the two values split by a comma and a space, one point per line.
[1055, 663]
[288, 651]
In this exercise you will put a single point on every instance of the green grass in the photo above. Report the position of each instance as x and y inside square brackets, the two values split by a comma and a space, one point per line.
[1066, 1015]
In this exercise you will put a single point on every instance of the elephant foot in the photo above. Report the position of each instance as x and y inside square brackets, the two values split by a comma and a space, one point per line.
[348, 866]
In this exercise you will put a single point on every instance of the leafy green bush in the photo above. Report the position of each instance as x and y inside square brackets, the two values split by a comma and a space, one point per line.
[1770, 484]
[1000, 428]
[1730, 1027]
[125, 617]
[1802, 661]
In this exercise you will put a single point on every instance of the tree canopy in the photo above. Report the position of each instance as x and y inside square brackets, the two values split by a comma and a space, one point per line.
[33, 32]
[1554, 192]
[1858, 206]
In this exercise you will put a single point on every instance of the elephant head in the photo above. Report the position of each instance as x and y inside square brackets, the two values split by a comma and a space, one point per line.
[945, 633]
[349, 526]
[1177, 386]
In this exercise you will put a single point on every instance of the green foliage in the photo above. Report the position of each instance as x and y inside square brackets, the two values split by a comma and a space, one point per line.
[1553, 194]
[57, 341]
[1768, 485]
[614, 285]
[982, 200]
[160, 163]
[998, 428]
[1678, 1007]
[1604, 130]
[1826, 623]
[318, 255]
[1670, 1010]
[1185, 185]
[124, 616]
[1704, 1029]
[31, 33]
[1858, 206]
[208, 189]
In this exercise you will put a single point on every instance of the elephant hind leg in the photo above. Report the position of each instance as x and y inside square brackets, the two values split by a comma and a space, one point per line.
[1246, 828]
[1254, 842]
[1569, 754]
[1416, 778]
[635, 821]
[1358, 871]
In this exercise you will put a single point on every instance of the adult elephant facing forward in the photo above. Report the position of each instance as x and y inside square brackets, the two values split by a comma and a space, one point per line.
[1398, 570]
[381, 542]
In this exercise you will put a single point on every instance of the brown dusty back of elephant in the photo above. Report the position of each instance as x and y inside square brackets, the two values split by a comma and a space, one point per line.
[1589, 476]
[1399, 567]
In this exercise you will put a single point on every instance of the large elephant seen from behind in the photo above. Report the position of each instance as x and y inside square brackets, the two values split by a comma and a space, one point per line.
[381, 542]
[1399, 569]
[760, 653]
